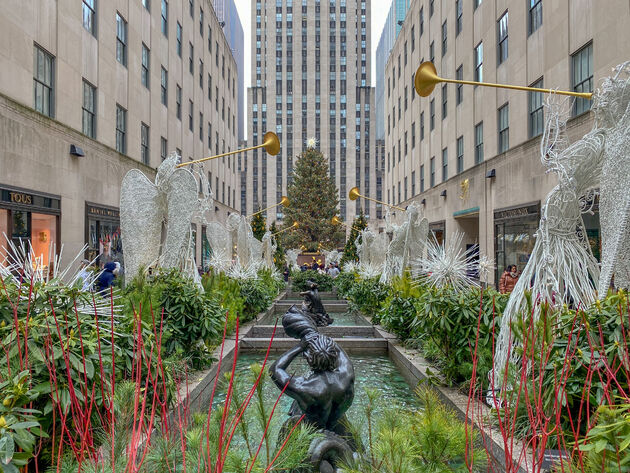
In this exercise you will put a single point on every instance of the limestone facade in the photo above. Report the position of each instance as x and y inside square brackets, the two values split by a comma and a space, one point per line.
[127, 82]
[483, 145]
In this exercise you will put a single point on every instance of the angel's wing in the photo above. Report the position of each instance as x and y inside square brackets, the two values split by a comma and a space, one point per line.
[140, 222]
[181, 201]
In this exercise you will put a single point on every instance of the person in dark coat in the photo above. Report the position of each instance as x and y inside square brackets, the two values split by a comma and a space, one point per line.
[106, 278]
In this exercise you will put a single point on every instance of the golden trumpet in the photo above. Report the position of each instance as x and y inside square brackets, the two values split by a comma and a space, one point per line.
[354, 195]
[426, 79]
[337, 221]
[271, 143]
[295, 225]
[284, 202]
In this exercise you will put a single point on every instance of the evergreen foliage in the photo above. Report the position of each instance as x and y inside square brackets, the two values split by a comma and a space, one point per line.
[314, 201]
[350, 250]
[279, 258]
[258, 225]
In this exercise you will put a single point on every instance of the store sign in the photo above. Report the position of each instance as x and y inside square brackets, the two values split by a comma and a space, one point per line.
[20, 198]
[95, 211]
[516, 213]
[16, 197]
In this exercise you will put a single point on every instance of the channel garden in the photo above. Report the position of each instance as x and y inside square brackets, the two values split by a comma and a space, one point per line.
[397, 364]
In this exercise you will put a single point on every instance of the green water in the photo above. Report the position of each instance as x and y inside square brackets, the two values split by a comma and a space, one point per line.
[346, 319]
[371, 371]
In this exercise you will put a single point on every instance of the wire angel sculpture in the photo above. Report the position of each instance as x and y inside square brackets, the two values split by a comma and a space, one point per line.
[148, 210]
[292, 256]
[562, 268]
[407, 243]
[371, 249]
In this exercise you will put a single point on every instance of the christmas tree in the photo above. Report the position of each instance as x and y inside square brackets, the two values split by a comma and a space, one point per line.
[314, 201]
[350, 250]
[258, 225]
[279, 257]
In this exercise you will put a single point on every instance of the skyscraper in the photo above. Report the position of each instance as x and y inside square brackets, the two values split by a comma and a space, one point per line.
[393, 24]
[227, 14]
[311, 79]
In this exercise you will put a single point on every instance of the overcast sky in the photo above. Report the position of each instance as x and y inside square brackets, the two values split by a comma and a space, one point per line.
[380, 9]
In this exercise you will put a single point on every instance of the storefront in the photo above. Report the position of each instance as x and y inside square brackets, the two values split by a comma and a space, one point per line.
[31, 218]
[514, 230]
[438, 229]
[102, 233]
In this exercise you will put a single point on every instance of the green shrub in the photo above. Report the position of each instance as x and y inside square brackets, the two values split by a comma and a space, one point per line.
[399, 309]
[193, 319]
[367, 296]
[300, 278]
[227, 291]
[450, 320]
[344, 283]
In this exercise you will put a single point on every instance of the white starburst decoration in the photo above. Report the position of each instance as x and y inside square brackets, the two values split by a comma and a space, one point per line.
[448, 264]
[311, 143]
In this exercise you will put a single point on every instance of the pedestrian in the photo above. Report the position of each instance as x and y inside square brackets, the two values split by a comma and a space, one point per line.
[106, 278]
[508, 279]
[84, 276]
[285, 273]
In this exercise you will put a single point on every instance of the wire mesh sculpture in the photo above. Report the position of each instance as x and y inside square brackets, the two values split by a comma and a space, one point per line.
[407, 243]
[562, 268]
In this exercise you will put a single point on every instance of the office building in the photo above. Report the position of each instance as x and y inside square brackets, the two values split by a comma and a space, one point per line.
[470, 155]
[91, 89]
[311, 79]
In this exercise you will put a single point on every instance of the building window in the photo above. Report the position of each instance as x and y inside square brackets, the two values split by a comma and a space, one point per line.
[164, 87]
[413, 135]
[535, 15]
[432, 115]
[178, 38]
[121, 129]
[190, 115]
[477, 3]
[479, 143]
[413, 183]
[413, 38]
[536, 122]
[459, 24]
[432, 52]
[460, 154]
[121, 40]
[191, 55]
[459, 90]
[582, 65]
[444, 39]
[432, 172]
[502, 35]
[144, 72]
[178, 102]
[89, 109]
[421, 178]
[444, 164]
[431, 8]
[504, 129]
[421, 126]
[191, 7]
[44, 66]
[164, 17]
[479, 62]
[163, 148]
[146, 4]
[201, 22]
[89, 16]
[444, 101]
[144, 143]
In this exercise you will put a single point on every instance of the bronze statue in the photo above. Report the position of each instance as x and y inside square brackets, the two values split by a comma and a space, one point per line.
[324, 395]
[313, 306]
